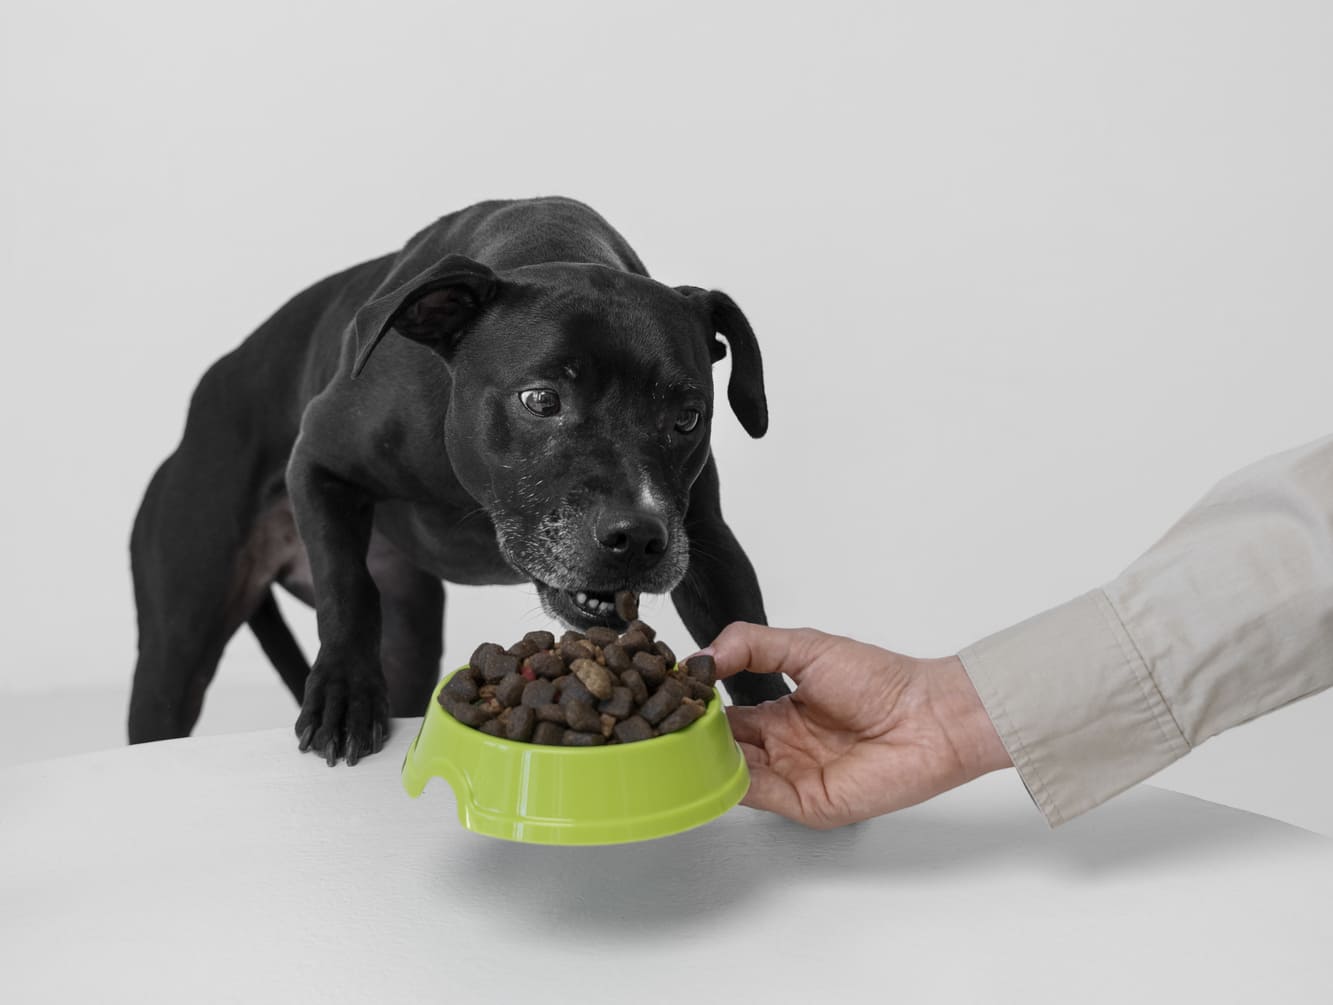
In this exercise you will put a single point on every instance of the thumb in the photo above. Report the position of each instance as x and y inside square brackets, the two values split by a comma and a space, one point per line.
[760, 649]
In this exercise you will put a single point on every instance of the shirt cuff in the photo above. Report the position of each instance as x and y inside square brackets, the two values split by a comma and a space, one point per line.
[1075, 706]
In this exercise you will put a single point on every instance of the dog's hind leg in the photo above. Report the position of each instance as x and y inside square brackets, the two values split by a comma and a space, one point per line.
[412, 626]
[187, 539]
[213, 532]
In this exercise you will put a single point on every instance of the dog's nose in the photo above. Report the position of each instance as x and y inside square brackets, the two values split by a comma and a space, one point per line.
[631, 533]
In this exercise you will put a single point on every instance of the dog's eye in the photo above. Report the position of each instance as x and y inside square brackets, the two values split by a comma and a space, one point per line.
[687, 420]
[540, 401]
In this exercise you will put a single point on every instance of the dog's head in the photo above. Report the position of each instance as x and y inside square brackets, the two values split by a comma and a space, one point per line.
[579, 414]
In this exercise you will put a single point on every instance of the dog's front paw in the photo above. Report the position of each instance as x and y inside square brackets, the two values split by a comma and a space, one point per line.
[345, 712]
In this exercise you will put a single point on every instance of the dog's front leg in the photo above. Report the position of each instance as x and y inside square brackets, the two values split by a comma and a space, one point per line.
[345, 711]
[720, 587]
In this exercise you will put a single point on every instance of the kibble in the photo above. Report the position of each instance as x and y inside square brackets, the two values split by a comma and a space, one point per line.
[581, 690]
[538, 692]
[697, 689]
[542, 640]
[577, 649]
[664, 650]
[627, 604]
[635, 641]
[510, 690]
[651, 667]
[633, 680]
[549, 733]
[575, 738]
[643, 628]
[619, 705]
[702, 668]
[583, 717]
[574, 690]
[552, 713]
[462, 686]
[664, 701]
[546, 664]
[524, 648]
[685, 713]
[496, 665]
[465, 712]
[595, 677]
[636, 727]
[522, 721]
[483, 653]
[617, 657]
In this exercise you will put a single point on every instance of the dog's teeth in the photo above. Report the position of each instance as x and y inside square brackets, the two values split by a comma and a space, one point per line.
[582, 598]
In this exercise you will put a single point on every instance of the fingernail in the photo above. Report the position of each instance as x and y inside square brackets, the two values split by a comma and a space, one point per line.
[705, 651]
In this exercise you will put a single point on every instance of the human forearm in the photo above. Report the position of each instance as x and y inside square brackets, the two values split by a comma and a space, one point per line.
[1229, 616]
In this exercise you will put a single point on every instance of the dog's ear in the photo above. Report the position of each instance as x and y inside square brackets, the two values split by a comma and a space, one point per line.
[745, 389]
[431, 307]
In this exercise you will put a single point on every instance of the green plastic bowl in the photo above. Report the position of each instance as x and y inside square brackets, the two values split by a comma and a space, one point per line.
[580, 795]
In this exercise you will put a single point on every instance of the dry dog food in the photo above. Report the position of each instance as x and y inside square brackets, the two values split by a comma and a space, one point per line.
[582, 690]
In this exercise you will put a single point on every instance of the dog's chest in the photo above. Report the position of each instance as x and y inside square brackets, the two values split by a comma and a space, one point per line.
[456, 546]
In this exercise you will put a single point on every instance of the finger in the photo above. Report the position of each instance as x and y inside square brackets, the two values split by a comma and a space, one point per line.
[770, 791]
[760, 649]
[755, 755]
[746, 724]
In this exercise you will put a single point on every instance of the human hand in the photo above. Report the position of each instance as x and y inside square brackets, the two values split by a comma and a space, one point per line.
[866, 732]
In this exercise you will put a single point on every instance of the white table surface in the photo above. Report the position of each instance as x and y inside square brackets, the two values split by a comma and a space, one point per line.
[235, 869]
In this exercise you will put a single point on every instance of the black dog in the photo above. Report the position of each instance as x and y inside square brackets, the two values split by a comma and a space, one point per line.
[544, 416]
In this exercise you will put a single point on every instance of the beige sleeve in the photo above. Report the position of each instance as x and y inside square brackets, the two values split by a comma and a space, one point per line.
[1227, 617]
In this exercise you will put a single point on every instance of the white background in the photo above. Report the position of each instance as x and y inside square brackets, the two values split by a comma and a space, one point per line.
[1028, 279]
